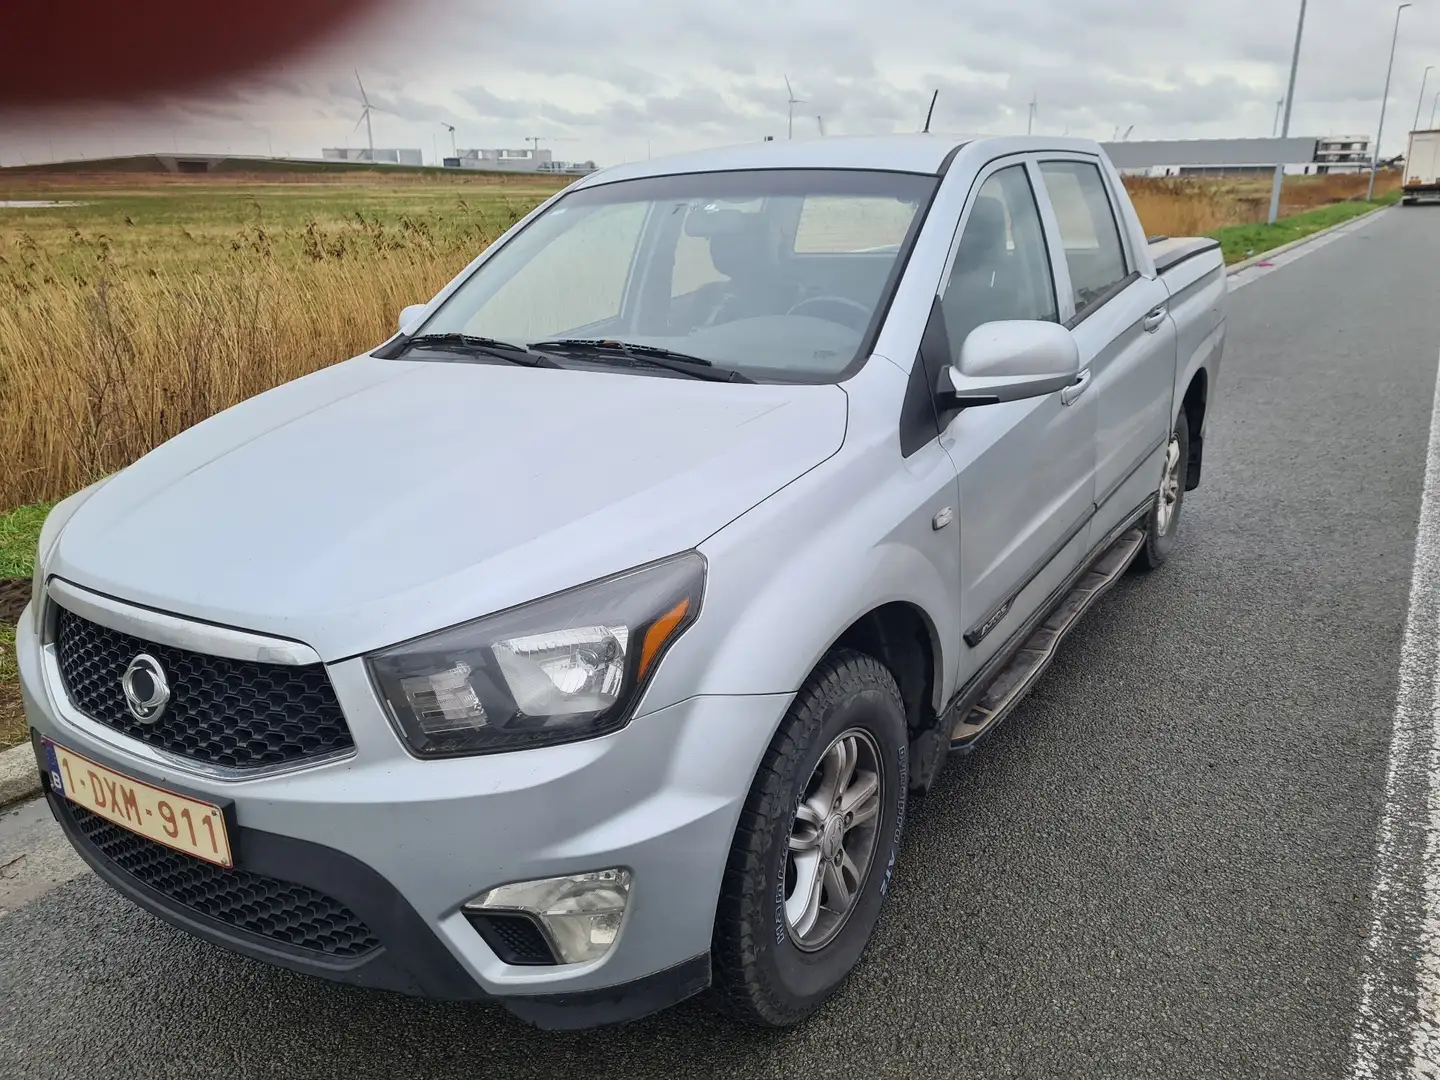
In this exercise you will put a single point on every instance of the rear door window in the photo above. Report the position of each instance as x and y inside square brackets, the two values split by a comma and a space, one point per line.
[1088, 229]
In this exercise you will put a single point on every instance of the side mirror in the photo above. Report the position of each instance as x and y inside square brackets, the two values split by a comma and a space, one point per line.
[1014, 361]
[409, 314]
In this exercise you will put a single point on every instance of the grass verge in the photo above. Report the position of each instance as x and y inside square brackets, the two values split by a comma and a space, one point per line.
[1241, 242]
[19, 533]
[13, 729]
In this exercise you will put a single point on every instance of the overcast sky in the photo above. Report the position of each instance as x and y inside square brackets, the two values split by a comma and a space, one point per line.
[613, 80]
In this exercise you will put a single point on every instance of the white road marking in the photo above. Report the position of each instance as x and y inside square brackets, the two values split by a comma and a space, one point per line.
[1255, 273]
[1410, 824]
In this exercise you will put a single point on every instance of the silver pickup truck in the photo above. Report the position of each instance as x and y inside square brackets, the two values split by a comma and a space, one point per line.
[579, 647]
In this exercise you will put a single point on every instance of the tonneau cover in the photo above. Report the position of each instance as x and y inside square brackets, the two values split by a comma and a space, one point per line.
[1169, 251]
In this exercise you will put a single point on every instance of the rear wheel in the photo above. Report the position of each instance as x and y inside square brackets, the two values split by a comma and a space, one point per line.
[816, 846]
[1164, 521]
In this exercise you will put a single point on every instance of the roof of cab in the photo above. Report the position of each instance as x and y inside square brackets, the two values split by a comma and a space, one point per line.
[923, 154]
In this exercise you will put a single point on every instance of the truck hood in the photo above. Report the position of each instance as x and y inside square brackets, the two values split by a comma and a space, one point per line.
[378, 500]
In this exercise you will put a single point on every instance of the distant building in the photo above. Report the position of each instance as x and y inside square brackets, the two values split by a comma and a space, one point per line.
[1220, 157]
[1343, 153]
[528, 160]
[383, 157]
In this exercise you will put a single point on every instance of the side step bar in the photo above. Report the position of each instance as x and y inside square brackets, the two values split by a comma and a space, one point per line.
[1016, 679]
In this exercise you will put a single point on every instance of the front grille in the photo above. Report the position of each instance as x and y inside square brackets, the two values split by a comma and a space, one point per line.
[235, 713]
[278, 911]
[513, 938]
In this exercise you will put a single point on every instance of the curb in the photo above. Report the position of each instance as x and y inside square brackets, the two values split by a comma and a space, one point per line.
[1265, 256]
[19, 779]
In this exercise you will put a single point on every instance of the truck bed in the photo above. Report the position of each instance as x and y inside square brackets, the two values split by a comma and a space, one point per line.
[1170, 251]
[1193, 269]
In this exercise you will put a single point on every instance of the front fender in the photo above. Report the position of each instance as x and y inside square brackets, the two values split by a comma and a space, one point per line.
[789, 577]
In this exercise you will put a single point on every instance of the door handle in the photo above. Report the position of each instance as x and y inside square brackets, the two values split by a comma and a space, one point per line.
[1071, 393]
[1155, 320]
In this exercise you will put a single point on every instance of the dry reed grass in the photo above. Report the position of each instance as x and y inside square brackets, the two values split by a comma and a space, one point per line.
[104, 355]
[1186, 206]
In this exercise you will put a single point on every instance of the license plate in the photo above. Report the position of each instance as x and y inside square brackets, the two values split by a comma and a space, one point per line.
[196, 828]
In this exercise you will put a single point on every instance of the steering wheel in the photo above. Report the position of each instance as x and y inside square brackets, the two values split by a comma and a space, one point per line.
[843, 301]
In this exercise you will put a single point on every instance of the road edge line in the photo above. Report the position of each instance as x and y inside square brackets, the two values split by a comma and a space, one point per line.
[19, 778]
[1293, 244]
[1407, 846]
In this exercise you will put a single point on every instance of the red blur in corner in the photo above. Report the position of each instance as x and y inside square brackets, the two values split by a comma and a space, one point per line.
[70, 51]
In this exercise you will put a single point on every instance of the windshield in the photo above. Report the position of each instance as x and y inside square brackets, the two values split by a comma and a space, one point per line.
[778, 274]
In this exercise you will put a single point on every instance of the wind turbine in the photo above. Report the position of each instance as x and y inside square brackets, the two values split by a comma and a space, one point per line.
[365, 116]
[793, 101]
[451, 128]
[820, 121]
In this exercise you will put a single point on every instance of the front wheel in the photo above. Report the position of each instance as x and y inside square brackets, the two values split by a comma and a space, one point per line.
[1164, 521]
[816, 846]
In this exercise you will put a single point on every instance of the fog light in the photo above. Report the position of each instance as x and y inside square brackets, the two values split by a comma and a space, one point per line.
[581, 913]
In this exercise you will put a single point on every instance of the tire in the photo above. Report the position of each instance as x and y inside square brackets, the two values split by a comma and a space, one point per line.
[770, 967]
[1162, 528]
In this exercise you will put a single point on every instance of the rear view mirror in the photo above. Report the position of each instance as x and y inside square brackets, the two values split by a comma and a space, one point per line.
[1014, 361]
[410, 314]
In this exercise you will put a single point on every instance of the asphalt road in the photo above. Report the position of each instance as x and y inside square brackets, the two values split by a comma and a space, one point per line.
[1161, 866]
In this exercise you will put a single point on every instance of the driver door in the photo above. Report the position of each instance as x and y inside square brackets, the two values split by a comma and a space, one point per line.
[1026, 468]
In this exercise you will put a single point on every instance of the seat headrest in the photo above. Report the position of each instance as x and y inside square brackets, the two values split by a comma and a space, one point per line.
[984, 232]
[743, 250]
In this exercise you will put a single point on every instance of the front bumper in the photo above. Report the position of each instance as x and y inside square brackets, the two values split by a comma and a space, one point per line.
[403, 844]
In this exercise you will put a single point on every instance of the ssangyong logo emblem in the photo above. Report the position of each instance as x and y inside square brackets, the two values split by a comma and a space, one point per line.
[147, 691]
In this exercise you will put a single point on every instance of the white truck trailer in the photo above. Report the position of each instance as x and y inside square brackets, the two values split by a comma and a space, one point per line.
[1422, 168]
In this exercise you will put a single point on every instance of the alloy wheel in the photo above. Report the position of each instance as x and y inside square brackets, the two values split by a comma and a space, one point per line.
[833, 839]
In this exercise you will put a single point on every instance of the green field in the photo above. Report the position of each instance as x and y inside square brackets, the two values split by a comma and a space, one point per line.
[161, 224]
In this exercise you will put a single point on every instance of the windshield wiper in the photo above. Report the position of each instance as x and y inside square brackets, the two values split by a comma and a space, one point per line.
[603, 348]
[469, 344]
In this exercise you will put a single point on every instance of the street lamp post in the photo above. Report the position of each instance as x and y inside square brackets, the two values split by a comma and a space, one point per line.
[1384, 101]
[1289, 104]
[1433, 108]
[1424, 80]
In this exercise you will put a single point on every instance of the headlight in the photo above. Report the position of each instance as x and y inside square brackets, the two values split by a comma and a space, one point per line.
[570, 666]
[55, 522]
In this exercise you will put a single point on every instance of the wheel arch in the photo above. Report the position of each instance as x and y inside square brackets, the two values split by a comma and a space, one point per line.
[901, 636]
[1193, 407]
